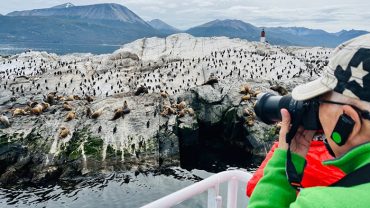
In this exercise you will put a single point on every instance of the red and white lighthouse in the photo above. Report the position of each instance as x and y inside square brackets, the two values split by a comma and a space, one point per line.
[263, 36]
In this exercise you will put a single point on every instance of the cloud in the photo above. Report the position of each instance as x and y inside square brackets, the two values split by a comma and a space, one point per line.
[204, 3]
[155, 9]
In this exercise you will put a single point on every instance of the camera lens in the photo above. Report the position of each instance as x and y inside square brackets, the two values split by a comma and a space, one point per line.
[268, 107]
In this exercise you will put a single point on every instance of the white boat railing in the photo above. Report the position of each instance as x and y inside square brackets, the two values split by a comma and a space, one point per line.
[212, 184]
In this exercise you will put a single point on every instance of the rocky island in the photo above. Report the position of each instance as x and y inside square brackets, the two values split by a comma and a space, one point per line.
[146, 106]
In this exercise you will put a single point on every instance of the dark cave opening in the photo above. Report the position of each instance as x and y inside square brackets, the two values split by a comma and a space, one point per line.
[215, 148]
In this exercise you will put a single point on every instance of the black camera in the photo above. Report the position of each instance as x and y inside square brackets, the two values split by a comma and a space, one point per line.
[304, 113]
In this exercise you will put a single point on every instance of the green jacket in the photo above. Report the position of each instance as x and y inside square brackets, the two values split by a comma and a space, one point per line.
[273, 190]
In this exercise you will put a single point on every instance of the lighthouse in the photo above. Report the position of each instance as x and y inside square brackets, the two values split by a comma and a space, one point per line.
[263, 36]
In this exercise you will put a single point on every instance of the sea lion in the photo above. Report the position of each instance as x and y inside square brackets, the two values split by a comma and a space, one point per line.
[70, 98]
[59, 97]
[190, 111]
[248, 112]
[181, 105]
[165, 112]
[27, 110]
[50, 98]
[89, 99]
[64, 132]
[245, 89]
[255, 93]
[181, 113]
[88, 112]
[67, 106]
[99, 129]
[70, 116]
[45, 106]
[141, 90]
[164, 94]
[118, 113]
[53, 93]
[4, 121]
[281, 90]
[249, 121]
[171, 110]
[246, 97]
[76, 97]
[37, 110]
[126, 110]
[97, 113]
[32, 104]
[114, 129]
[18, 111]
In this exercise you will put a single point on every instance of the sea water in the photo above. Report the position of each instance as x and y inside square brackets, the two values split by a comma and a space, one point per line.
[115, 190]
[58, 48]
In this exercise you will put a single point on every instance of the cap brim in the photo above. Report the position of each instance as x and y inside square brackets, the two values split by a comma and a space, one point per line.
[310, 90]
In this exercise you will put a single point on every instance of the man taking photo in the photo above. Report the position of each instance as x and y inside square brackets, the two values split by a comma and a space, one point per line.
[343, 94]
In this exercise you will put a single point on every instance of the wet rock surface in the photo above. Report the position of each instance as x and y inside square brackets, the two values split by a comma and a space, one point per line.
[228, 112]
[33, 144]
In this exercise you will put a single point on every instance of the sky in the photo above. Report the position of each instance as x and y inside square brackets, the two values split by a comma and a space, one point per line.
[329, 15]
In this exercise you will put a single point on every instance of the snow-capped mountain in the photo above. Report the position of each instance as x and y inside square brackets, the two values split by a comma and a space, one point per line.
[62, 6]
[97, 11]
[68, 24]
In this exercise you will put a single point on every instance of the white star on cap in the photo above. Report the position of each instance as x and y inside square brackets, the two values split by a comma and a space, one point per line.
[358, 74]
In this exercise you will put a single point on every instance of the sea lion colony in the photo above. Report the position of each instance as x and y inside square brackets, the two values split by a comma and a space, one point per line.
[70, 78]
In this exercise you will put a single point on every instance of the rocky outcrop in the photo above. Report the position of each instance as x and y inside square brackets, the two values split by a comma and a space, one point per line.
[222, 106]
[32, 150]
[184, 95]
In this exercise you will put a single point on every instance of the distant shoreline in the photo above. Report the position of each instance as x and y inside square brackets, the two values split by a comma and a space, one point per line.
[8, 49]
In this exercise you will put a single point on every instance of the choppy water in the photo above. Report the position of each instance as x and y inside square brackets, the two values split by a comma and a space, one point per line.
[60, 49]
[115, 190]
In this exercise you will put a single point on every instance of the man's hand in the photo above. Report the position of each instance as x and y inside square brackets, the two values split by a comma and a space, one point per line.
[301, 141]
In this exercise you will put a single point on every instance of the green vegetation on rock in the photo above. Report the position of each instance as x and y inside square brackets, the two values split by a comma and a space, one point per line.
[111, 152]
[74, 155]
[93, 146]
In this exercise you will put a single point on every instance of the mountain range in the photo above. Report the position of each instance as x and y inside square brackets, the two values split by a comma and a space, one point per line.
[69, 24]
[116, 24]
[163, 27]
[115, 12]
[298, 36]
